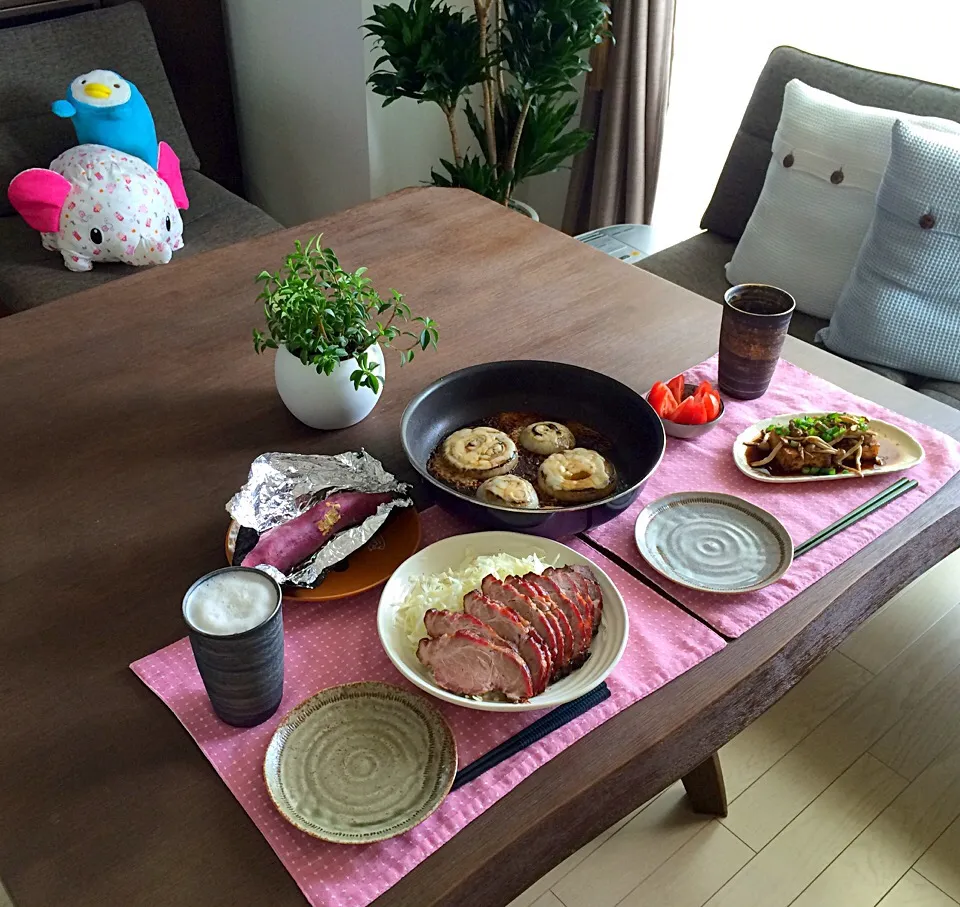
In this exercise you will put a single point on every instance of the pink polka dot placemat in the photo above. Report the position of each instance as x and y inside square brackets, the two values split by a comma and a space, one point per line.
[706, 464]
[336, 642]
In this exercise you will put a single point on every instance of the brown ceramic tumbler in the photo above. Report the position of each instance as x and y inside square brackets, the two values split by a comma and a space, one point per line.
[754, 325]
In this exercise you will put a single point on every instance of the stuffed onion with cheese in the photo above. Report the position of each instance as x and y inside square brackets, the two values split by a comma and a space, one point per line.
[547, 438]
[509, 491]
[577, 476]
[479, 452]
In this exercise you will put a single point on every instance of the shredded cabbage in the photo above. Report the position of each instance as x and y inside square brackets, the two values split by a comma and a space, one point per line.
[445, 591]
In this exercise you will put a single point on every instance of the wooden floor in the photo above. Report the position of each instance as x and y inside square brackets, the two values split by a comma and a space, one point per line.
[845, 794]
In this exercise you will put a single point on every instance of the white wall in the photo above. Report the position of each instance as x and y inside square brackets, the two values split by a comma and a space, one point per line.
[301, 104]
[405, 140]
[313, 138]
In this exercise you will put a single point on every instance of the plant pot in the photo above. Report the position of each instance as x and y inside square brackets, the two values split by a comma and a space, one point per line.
[325, 401]
[523, 208]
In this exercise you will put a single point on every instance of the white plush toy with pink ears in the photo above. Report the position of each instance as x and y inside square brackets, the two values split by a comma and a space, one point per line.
[99, 204]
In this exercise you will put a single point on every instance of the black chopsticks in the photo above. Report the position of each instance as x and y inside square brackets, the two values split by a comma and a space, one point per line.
[548, 723]
[901, 486]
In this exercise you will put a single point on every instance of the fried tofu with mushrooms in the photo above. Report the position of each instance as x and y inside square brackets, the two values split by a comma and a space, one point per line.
[825, 444]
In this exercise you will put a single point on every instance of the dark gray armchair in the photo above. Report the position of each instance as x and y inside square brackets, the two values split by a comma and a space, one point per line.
[37, 62]
[698, 263]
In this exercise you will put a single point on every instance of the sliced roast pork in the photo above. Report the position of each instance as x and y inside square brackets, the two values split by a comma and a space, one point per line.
[575, 586]
[582, 627]
[515, 630]
[545, 604]
[584, 600]
[593, 587]
[471, 665]
[541, 621]
[438, 623]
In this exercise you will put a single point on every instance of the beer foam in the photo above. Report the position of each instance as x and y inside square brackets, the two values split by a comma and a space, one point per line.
[230, 603]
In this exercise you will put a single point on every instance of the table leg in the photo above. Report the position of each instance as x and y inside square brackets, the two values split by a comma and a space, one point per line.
[705, 787]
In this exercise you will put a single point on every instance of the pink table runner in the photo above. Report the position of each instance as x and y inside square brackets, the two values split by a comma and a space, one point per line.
[328, 644]
[706, 464]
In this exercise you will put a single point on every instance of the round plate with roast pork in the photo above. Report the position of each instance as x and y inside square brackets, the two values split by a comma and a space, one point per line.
[502, 622]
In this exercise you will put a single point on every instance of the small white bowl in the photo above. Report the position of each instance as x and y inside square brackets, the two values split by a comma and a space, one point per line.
[678, 430]
[605, 650]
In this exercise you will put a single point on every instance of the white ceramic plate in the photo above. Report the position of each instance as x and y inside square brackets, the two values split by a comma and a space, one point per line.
[898, 449]
[713, 542]
[606, 648]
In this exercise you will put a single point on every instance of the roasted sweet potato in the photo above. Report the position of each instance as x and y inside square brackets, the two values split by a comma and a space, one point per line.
[286, 546]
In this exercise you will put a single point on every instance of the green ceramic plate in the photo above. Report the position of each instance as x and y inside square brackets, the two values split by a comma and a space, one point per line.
[360, 762]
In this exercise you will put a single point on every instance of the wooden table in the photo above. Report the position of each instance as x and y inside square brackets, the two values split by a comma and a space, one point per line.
[131, 414]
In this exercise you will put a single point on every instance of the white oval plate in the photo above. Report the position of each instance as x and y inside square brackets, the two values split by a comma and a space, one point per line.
[713, 542]
[607, 646]
[899, 450]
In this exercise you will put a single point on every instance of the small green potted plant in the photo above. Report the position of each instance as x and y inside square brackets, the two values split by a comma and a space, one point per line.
[328, 326]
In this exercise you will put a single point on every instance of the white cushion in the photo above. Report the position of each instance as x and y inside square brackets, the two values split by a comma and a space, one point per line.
[818, 199]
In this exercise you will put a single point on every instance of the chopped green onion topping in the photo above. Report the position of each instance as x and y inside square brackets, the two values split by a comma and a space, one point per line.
[829, 427]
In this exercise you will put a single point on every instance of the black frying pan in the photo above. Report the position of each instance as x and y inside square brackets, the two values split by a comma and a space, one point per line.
[555, 391]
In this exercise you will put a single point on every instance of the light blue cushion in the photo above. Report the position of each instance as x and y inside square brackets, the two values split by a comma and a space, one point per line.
[901, 305]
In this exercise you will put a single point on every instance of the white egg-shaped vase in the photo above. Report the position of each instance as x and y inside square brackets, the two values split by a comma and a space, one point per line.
[326, 401]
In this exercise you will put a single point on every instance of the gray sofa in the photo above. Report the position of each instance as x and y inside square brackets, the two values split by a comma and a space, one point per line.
[698, 263]
[37, 62]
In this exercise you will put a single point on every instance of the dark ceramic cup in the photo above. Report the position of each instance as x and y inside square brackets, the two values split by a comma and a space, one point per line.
[755, 322]
[242, 672]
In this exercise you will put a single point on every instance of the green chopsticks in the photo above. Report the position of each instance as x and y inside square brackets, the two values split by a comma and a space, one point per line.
[901, 486]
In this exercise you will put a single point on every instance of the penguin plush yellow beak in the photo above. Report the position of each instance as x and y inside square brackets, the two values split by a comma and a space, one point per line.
[97, 90]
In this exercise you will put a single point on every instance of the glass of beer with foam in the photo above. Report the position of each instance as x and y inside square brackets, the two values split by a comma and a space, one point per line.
[235, 625]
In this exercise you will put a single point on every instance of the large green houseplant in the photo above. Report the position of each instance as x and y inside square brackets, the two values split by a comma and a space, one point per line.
[510, 65]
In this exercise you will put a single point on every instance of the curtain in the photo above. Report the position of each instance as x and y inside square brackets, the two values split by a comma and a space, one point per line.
[624, 104]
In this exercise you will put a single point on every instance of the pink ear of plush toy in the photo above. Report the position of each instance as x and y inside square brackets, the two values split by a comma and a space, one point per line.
[168, 169]
[38, 194]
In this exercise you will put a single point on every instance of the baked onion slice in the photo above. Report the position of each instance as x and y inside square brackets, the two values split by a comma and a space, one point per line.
[480, 452]
[577, 476]
[547, 438]
[509, 491]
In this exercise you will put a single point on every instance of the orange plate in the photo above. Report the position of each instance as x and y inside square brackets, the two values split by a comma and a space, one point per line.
[368, 567]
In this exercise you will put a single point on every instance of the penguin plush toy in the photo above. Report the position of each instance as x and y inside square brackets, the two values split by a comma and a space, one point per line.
[108, 110]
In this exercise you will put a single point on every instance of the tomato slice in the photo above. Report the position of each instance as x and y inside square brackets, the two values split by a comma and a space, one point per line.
[705, 387]
[676, 386]
[711, 406]
[660, 398]
[690, 412]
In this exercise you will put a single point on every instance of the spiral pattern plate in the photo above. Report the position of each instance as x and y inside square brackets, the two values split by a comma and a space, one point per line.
[360, 762]
[713, 542]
